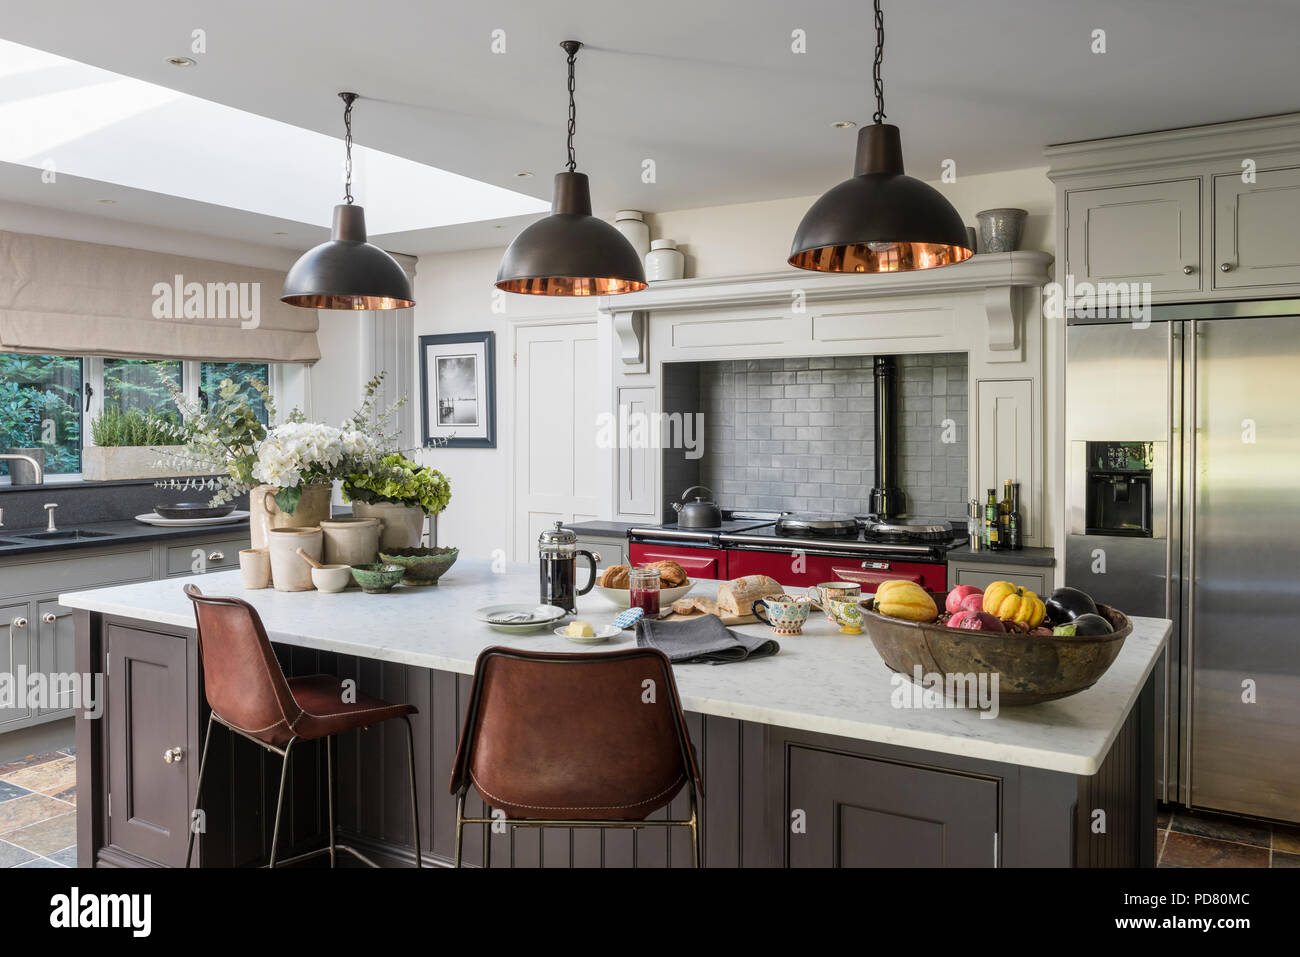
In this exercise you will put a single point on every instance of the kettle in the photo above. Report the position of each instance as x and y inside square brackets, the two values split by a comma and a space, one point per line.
[699, 512]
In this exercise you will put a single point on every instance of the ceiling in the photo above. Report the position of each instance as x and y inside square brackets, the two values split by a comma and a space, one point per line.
[710, 91]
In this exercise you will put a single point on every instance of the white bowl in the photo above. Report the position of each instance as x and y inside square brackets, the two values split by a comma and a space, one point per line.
[622, 597]
[331, 578]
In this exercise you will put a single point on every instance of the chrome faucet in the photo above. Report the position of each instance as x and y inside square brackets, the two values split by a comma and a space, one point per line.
[49, 510]
[14, 457]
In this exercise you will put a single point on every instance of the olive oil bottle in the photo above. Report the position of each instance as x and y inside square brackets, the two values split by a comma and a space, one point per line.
[991, 521]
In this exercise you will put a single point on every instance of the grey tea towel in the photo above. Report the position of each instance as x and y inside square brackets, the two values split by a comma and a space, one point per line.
[705, 639]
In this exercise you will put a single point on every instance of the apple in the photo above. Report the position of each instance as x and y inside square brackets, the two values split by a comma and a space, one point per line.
[953, 603]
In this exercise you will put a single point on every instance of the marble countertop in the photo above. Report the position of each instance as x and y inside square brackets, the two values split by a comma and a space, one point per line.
[822, 680]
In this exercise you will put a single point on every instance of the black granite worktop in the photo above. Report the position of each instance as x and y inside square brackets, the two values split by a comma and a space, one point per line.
[1043, 557]
[128, 532]
[603, 529]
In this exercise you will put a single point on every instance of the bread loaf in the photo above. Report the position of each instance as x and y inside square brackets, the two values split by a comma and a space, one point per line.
[737, 597]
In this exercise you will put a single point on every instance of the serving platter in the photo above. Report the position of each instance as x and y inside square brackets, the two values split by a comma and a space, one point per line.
[153, 518]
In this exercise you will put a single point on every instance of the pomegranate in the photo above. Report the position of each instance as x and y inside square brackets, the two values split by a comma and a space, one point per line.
[955, 597]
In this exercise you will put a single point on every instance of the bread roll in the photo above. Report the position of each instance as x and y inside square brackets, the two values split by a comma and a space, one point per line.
[670, 574]
[615, 576]
[737, 597]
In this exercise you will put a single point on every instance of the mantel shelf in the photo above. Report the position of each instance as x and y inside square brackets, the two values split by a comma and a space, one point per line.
[993, 275]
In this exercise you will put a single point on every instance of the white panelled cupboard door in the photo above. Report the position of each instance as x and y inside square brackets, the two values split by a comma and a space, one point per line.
[555, 430]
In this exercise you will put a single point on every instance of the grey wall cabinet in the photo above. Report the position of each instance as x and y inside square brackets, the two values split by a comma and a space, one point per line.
[1145, 233]
[1256, 243]
[1037, 579]
[850, 811]
[612, 551]
[38, 633]
[148, 724]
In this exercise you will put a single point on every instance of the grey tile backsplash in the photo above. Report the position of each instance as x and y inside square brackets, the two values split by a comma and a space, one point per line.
[799, 433]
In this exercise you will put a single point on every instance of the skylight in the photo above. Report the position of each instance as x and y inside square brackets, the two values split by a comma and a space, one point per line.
[79, 120]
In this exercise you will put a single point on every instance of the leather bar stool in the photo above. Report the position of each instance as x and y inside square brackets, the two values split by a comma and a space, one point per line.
[575, 740]
[248, 693]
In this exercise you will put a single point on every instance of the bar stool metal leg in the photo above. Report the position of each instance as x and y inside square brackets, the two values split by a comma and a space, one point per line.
[329, 789]
[198, 791]
[460, 826]
[415, 804]
[279, 801]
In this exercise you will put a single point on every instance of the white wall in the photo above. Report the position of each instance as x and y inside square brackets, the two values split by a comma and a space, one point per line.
[454, 293]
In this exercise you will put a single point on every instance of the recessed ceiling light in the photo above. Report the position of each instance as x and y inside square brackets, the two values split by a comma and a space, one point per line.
[524, 175]
[107, 202]
[843, 124]
[180, 61]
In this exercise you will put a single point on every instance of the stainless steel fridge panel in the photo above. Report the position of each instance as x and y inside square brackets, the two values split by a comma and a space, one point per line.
[1243, 518]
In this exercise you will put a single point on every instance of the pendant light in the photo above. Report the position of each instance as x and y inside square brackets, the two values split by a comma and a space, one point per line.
[880, 220]
[571, 252]
[347, 272]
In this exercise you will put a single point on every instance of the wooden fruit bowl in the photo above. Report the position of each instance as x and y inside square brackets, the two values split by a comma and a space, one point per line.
[1030, 668]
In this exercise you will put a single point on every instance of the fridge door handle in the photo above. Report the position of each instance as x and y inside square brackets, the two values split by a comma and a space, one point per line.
[1192, 428]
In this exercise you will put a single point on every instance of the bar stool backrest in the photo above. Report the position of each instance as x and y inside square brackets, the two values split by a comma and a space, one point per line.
[243, 680]
[594, 736]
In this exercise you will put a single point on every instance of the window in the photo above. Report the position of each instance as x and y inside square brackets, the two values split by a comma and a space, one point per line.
[243, 374]
[141, 384]
[40, 408]
[49, 402]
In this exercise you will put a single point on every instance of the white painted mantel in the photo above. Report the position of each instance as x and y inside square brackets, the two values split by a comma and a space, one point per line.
[988, 307]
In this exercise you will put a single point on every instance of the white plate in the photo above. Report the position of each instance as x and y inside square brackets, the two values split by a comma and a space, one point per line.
[622, 597]
[153, 518]
[603, 633]
[545, 615]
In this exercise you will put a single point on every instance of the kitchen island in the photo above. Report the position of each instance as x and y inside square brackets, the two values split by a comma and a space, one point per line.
[810, 758]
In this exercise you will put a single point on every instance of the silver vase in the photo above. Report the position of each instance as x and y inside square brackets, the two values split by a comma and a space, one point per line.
[1001, 229]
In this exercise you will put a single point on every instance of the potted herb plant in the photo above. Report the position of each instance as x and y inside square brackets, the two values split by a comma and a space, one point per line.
[128, 445]
[400, 492]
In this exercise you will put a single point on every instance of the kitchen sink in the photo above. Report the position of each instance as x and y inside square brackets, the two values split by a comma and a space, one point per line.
[5, 541]
[65, 535]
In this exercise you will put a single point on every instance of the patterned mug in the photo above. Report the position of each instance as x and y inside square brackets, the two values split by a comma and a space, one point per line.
[824, 593]
[847, 613]
[786, 614]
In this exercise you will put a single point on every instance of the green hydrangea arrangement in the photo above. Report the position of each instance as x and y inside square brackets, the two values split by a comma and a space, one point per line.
[400, 481]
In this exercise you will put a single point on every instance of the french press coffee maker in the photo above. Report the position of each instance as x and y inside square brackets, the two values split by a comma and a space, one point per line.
[557, 553]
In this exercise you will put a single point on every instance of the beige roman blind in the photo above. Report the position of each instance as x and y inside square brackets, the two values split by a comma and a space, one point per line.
[64, 297]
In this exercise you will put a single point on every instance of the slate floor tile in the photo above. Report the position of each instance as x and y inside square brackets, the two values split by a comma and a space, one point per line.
[67, 857]
[46, 837]
[48, 776]
[11, 855]
[1237, 830]
[1191, 850]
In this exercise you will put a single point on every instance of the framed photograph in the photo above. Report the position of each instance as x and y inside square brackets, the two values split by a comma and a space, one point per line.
[458, 388]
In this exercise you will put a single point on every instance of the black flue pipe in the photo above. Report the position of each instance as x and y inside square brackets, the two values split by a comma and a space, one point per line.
[888, 500]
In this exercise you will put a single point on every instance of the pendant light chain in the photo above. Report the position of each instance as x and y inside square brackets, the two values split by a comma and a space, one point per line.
[348, 100]
[880, 55]
[573, 111]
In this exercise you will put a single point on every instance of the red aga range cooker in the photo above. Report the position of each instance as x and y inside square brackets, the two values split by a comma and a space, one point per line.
[804, 549]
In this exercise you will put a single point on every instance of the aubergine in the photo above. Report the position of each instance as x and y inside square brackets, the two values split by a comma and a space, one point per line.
[1085, 626]
[1067, 604]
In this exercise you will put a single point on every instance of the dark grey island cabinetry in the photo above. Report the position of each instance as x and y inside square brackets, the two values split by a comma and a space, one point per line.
[805, 761]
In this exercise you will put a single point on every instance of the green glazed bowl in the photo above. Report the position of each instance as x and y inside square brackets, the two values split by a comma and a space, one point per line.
[377, 577]
[424, 566]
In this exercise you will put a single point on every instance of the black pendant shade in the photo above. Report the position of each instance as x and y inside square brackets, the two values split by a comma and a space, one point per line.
[571, 252]
[347, 272]
[881, 220]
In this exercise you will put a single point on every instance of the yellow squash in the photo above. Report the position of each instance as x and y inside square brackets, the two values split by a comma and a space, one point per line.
[1012, 603]
[904, 599]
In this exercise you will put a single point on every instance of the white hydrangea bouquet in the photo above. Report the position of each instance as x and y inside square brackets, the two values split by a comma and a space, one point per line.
[227, 438]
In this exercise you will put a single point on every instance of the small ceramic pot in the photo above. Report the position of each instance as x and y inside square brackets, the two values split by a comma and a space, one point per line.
[784, 613]
[331, 578]
[350, 541]
[825, 592]
[847, 613]
[631, 223]
[289, 570]
[255, 567]
[665, 261]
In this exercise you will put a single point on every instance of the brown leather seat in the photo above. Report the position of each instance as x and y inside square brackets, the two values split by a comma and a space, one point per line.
[247, 692]
[247, 689]
[568, 737]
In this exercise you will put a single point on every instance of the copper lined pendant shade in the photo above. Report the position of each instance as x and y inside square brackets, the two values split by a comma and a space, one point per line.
[347, 272]
[571, 252]
[880, 220]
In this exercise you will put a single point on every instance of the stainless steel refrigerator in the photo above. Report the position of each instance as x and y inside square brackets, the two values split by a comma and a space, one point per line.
[1183, 501]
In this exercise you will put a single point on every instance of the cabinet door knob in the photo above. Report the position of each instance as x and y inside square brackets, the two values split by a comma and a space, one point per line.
[19, 623]
[1225, 267]
[1188, 270]
[49, 617]
[173, 755]
[216, 556]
